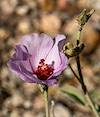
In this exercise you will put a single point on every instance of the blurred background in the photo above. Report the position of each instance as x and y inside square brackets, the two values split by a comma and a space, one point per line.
[20, 17]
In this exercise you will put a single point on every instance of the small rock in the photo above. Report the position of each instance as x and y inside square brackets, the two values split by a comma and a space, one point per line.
[8, 6]
[29, 88]
[92, 41]
[40, 114]
[38, 103]
[27, 104]
[64, 4]
[4, 33]
[46, 5]
[24, 26]
[28, 114]
[22, 10]
[4, 73]
[83, 3]
[15, 114]
[61, 111]
[71, 28]
[17, 100]
[50, 24]
[30, 3]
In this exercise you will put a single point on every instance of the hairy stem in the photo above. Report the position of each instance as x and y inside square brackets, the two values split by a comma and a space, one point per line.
[44, 89]
[46, 103]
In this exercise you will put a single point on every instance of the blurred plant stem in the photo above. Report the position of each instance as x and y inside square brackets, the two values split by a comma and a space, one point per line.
[46, 103]
[82, 20]
[44, 90]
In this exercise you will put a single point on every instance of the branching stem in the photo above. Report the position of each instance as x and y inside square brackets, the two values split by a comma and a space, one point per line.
[84, 88]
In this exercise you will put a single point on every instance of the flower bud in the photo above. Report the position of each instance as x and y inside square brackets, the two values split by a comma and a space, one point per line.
[71, 51]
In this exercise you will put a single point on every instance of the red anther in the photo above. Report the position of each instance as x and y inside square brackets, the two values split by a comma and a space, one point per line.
[42, 61]
[44, 71]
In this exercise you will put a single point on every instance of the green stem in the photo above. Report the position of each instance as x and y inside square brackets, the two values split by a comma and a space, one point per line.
[46, 102]
[79, 35]
[44, 89]
[91, 105]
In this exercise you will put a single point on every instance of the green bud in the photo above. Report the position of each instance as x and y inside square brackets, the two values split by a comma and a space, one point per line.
[71, 51]
[68, 46]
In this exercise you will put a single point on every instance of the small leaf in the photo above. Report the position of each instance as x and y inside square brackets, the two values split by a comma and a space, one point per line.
[74, 93]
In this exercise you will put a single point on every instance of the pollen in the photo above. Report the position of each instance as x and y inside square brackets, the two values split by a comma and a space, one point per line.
[44, 71]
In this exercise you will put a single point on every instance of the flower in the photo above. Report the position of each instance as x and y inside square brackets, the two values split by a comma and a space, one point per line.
[38, 58]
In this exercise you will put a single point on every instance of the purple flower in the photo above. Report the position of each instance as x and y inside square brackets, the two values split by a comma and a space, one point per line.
[39, 59]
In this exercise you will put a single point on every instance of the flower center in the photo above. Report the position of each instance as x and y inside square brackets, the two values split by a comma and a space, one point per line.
[44, 70]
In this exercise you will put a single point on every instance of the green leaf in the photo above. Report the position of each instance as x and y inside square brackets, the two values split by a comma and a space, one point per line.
[95, 95]
[74, 93]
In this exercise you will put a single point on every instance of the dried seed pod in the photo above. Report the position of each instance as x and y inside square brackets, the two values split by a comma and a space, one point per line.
[84, 17]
